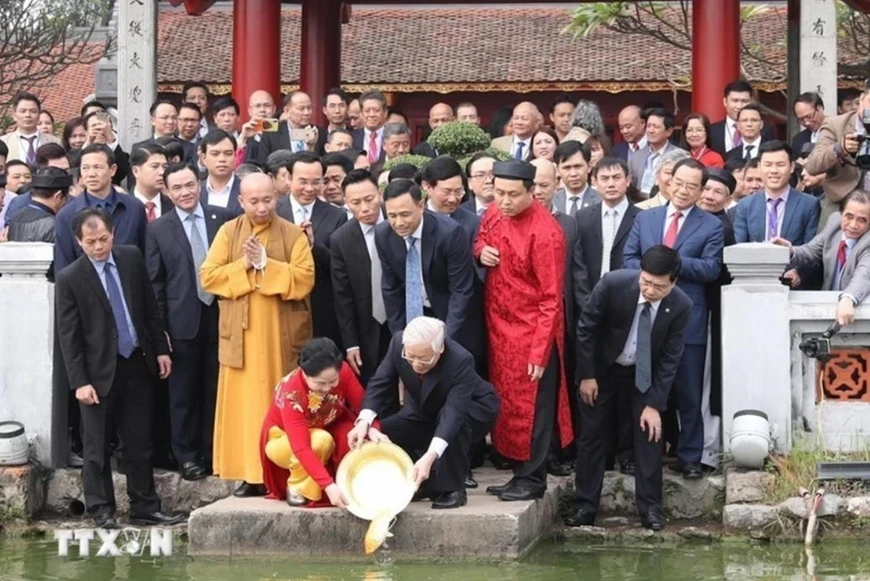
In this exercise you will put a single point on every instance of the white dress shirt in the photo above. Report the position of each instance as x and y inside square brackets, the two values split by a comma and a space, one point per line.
[527, 146]
[480, 207]
[670, 217]
[753, 154]
[298, 214]
[158, 210]
[220, 197]
[628, 357]
[379, 139]
[621, 208]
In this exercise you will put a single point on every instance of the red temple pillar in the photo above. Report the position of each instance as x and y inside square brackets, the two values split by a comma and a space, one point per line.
[715, 53]
[320, 65]
[256, 50]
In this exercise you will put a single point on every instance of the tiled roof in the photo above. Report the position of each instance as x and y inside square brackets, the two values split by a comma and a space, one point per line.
[64, 93]
[432, 45]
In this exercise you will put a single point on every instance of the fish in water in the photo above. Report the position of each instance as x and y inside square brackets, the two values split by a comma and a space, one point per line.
[379, 531]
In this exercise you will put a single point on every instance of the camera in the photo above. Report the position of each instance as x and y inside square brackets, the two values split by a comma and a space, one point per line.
[862, 157]
[819, 347]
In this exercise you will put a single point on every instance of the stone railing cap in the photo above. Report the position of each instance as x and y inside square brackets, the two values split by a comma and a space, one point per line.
[25, 258]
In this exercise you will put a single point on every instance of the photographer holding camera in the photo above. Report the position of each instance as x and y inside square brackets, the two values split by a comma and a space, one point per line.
[843, 250]
[843, 153]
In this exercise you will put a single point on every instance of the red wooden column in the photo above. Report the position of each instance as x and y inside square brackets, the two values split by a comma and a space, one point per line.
[715, 53]
[320, 65]
[256, 50]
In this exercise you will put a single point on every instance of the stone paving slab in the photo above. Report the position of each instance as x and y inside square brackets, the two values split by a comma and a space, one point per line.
[486, 528]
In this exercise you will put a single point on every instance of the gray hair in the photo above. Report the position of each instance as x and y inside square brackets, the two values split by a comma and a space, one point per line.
[246, 169]
[425, 331]
[587, 116]
[393, 129]
[373, 96]
[672, 156]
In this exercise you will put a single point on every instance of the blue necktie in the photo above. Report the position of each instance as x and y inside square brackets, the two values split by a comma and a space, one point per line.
[413, 283]
[519, 154]
[125, 340]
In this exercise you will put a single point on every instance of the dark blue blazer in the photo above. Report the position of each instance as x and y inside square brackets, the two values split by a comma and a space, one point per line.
[620, 150]
[128, 220]
[448, 272]
[475, 325]
[169, 260]
[799, 223]
[699, 245]
[233, 205]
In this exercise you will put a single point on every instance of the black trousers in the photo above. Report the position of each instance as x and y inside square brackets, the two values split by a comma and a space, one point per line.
[592, 446]
[127, 406]
[413, 434]
[193, 390]
[533, 472]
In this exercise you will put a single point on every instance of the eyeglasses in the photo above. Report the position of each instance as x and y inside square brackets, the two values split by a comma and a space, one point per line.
[654, 286]
[483, 176]
[421, 361]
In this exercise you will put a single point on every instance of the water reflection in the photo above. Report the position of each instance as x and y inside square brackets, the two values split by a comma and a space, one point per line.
[37, 561]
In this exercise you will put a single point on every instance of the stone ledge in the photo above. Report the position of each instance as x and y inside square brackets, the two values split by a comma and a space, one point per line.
[683, 499]
[486, 528]
[22, 492]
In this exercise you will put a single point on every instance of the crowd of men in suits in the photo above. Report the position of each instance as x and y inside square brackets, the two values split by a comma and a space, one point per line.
[644, 224]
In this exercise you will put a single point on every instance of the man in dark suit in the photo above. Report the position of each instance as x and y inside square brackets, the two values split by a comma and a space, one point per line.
[97, 166]
[426, 261]
[164, 122]
[750, 124]
[356, 277]
[698, 237]
[176, 246]
[319, 219]
[148, 162]
[726, 134]
[439, 114]
[447, 406]
[114, 347]
[780, 211]
[595, 254]
[370, 137]
[629, 341]
[809, 110]
[297, 133]
[217, 153]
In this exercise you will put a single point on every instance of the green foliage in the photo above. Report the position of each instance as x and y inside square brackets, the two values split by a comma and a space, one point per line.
[587, 17]
[459, 139]
[417, 161]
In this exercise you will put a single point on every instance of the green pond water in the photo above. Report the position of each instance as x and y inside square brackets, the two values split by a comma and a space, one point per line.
[37, 560]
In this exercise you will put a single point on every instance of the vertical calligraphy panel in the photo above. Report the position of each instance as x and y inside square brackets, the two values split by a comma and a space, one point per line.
[818, 54]
[137, 68]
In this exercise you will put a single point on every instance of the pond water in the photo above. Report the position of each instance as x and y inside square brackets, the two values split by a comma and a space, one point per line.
[37, 560]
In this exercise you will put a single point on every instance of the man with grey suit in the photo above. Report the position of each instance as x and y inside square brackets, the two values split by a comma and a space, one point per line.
[572, 160]
[843, 250]
[659, 126]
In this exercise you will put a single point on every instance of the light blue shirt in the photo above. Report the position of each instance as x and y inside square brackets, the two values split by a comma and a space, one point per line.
[200, 223]
[100, 267]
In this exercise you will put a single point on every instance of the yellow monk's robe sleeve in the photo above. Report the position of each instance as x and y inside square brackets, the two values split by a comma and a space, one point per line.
[292, 280]
[221, 277]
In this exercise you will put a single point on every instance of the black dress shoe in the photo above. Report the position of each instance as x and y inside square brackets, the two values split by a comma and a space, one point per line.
[500, 462]
[692, 472]
[105, 519]
[453, 499]
[676, 467]
[74, 461]
[627, 467]
[470, 482]
[192, 471]
[580, 518]
[246, 490]
[425, 493]
[652, 520]
[558, 469]
[517, 492]
[497, 489]
[156, 518]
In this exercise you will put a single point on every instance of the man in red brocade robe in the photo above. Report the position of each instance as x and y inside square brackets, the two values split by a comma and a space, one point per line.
[304, 435]
[523, 248]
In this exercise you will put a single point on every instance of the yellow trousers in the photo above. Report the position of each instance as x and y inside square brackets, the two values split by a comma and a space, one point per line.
[279, 451]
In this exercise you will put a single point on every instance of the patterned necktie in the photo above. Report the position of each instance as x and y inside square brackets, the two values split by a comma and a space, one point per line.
[673, 230]
[199, 252]
[379, 312]
[573, 209]
[643, 358]
[481, 211]
[31, 149]
[773, 218]
[149, 211]
[125, 339]
[519, 153]
[608, 233]
[413, 283]
[373, 147]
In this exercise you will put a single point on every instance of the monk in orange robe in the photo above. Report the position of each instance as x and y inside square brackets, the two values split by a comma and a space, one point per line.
[261, 269]
[523, 248]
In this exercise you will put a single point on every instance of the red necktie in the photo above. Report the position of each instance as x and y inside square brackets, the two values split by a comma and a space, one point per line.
[671, 234]
[149, 211]
[841, 255]
[373, 147]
